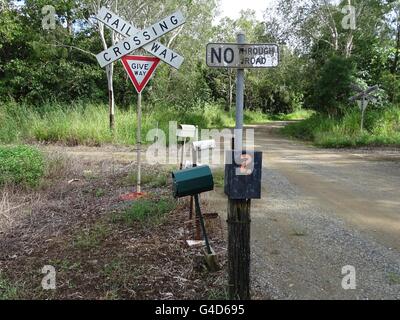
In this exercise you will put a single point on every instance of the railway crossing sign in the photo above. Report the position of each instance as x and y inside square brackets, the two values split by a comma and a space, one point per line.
[116, 23]
[363, 97]
[140, 38]
[140, 69]
[242, 56]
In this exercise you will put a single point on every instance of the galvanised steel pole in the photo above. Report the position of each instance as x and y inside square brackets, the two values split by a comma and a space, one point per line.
[241, 38]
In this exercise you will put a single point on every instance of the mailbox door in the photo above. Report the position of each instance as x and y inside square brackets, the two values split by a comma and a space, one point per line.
[243, 174]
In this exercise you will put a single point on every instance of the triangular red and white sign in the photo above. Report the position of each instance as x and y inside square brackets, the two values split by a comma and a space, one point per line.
[140, 69]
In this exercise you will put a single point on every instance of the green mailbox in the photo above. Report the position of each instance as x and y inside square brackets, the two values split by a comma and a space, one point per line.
[192, 181]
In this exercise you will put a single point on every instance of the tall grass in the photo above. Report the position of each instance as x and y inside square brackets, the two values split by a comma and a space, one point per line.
[88, 123]
[382, 128]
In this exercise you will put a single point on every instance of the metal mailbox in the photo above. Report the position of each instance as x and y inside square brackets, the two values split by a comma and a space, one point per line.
[186, 131]
[192, 181]
[243, 172]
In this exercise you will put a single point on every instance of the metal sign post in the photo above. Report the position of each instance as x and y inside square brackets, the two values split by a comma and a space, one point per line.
[241, 38]
[139, 143]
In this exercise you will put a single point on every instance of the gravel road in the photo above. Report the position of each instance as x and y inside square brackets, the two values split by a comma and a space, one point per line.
[323, 210]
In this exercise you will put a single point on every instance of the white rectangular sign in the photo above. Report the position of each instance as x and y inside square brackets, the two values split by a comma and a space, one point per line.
[233, 55]
[124, 28]
[141, 38]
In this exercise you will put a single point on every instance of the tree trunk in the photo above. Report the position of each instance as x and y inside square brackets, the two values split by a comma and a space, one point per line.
[111, 80]
[109, 72]
[239, 249]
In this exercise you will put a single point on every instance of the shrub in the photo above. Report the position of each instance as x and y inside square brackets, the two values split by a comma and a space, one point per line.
[21, 165]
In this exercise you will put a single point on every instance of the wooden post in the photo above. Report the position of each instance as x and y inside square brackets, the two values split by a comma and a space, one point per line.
[139, 143]
[239, 213]
[239, 249]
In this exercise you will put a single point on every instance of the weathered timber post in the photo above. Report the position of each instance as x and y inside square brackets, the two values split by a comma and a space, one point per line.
[239, 249]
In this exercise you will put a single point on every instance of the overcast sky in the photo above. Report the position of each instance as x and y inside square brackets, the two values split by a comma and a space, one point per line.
[231, 8]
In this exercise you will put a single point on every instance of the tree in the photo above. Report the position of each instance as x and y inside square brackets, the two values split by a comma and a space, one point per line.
[333, 87]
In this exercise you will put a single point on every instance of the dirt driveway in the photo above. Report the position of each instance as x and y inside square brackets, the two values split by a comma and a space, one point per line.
[323, 210]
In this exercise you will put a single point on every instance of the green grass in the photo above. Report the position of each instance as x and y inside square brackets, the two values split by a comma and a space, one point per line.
[100, 193]
[254, 117]
[299, 233]
[218, 294]
[21, 165]
[393, 278]
[8, 291]
[155, 179]
[301, 114]
[382, 128]
[87, 124]
[146, 211]
[219, 177]
[93, 237]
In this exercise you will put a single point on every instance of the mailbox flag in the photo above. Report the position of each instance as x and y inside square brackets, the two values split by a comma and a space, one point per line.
[140, 69]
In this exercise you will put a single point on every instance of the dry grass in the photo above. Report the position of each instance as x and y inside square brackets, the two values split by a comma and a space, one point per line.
[69, 225]
[5, 210]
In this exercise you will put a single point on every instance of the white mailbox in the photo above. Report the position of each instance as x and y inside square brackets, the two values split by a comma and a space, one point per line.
[204, 145]
[186, 131]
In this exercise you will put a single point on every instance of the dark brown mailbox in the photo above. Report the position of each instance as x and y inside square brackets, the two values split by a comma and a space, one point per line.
[243, 175]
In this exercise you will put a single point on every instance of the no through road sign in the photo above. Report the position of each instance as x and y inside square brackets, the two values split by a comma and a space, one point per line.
[242, 56]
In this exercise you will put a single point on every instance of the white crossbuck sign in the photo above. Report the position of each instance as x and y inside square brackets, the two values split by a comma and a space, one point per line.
[140, 38]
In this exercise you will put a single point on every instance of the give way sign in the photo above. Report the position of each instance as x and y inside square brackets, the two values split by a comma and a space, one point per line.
[140, 69]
